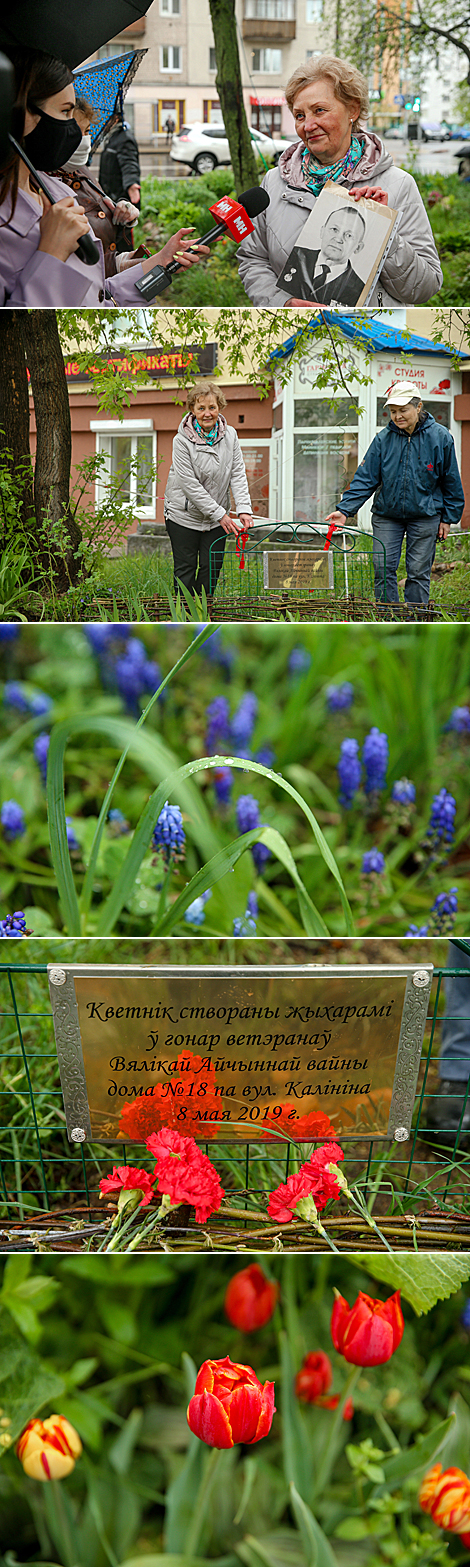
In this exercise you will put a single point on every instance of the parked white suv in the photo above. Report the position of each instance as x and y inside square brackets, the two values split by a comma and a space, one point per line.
[205, 147]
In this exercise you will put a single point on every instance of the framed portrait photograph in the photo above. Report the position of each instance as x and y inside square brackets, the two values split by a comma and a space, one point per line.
[340, 249]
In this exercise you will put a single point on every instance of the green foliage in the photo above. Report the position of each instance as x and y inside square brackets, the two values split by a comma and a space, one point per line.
[147, 1491]
[422, 1280]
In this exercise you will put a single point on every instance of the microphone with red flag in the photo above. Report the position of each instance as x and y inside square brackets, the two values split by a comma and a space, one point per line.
[234, 218]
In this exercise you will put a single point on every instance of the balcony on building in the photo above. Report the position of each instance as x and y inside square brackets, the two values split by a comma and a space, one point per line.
[269, 21]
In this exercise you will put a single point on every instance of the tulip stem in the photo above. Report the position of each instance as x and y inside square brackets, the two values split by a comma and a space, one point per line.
[197, 1521]
[63, 1537]
[329, 1453]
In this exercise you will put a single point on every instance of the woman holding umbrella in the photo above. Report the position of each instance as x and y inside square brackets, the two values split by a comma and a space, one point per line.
[111, 222]
[38, 242]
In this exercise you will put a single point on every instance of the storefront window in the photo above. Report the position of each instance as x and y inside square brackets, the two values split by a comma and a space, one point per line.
[310, 413]
[439, 410]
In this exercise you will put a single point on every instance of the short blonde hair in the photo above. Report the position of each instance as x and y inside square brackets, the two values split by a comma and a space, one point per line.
[203, 390]
[347, 82]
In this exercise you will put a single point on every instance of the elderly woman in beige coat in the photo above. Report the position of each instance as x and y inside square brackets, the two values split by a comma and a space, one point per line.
[207, 464]
[329, 102]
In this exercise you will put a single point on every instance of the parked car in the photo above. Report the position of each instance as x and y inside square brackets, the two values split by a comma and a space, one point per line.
[205, 147]
[395, 133]
[433, 130]
[459, 132]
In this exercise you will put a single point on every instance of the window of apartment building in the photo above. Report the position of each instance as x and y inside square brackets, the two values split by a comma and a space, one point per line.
[212, 59]
[270, 10]
[173, 107]
[170, 57]
[313, 10]
[266, 117]
[268, 61]
[131, 460]
[170, 7]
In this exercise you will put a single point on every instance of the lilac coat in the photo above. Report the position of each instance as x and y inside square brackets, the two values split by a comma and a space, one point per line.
[28, 276]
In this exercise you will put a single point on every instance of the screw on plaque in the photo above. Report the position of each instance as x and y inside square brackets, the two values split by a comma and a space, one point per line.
[78, 1134]
[401, 1134]
[57, 976]
[420, 977]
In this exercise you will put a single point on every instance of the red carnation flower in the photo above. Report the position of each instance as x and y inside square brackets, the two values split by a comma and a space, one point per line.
[127, 1184]
[185, 1174]
[314, 1179]
[282, 1202]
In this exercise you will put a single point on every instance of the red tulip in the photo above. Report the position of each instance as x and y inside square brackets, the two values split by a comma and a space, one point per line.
[369, 1332]
[250, 1299]
[230, 1405]
[445, 1494]
[332, 1403]
[314, 1378]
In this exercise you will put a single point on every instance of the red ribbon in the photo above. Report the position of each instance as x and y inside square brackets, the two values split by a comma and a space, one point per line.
[329, 536]
[240, 547]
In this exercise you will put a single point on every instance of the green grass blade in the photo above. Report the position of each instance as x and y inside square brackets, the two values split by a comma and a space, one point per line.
[117, 731]
[126, 877]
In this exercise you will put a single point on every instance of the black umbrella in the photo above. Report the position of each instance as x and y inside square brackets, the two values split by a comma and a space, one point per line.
[70, 31]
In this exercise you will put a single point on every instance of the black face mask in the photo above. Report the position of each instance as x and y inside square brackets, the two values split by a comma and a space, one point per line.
[52, 142]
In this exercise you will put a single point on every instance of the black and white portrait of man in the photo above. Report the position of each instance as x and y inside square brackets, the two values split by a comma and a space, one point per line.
[338, 251]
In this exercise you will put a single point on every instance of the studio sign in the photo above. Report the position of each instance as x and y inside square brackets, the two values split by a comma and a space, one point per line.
[237, 1054]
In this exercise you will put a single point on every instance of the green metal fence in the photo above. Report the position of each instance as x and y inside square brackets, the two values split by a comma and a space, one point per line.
[41, 1173]
[344, 572]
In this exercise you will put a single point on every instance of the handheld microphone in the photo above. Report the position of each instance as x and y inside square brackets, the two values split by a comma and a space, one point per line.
[234, 218]
[86, 248]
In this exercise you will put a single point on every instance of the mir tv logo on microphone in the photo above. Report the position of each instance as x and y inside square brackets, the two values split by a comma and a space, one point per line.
[234, 216]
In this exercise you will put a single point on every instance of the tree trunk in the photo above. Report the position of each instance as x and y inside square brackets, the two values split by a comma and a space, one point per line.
[229, 88]
[59, 534]
[14, 418]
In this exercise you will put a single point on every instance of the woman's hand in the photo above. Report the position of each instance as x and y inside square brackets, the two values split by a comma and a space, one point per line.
[61, 228]
[302, 304]
[338, 517]
[230, 524]
[178, 248]
[125, 212]
[370, 193]
[246, 520]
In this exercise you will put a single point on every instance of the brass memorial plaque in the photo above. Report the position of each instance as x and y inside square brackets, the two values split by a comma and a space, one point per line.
[234, 1054]
[301, 569]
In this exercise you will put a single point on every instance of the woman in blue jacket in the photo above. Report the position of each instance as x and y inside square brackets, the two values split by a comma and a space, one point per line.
[411, 470]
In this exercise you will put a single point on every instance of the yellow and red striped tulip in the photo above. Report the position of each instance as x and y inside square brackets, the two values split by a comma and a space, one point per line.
[445, 1494]
[48, 1449]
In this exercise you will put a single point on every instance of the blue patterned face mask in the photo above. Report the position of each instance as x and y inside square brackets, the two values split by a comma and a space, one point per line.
[209, 435]
[315, 175]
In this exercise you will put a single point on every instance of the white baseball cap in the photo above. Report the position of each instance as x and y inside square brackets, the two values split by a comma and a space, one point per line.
[401, 394]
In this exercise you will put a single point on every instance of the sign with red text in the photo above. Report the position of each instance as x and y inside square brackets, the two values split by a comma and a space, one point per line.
[236, 1054]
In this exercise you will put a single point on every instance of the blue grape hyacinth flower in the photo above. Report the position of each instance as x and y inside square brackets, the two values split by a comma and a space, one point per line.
[14, 925]
[339, 698]
[441, 828]
[459, 720]
[444, 909]
[12, 820]
[404, 792]
[195, 912]
[243, 721]
[169, 837]
[218, 724]
[223, 784]
[375, 759]
[248, 817]
[349, 772]
[373, 863]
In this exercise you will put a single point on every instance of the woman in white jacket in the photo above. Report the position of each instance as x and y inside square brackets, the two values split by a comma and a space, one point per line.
[329, 102]
[207, 464]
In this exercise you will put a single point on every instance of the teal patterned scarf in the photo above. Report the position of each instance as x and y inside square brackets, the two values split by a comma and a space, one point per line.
[209, 435]
[315, 175]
